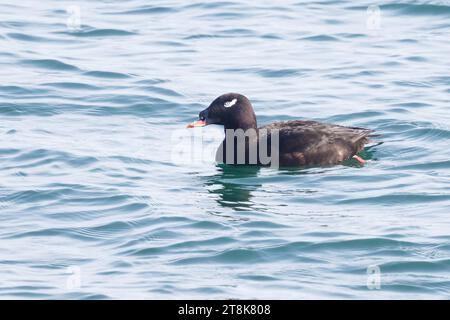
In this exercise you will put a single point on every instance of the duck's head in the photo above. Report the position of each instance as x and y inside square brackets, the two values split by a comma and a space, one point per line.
[232, 110]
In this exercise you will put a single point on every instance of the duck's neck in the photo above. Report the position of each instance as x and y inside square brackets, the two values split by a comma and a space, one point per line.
[244, 125]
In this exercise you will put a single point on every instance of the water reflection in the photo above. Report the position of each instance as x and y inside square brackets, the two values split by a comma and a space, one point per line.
[234, 185]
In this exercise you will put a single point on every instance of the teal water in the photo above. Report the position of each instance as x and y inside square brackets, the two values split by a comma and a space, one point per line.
[94, 205]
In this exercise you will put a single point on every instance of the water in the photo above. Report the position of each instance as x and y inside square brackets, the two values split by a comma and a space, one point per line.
[93, 204]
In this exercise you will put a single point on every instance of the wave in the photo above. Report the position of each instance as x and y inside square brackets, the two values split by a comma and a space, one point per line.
[50, 64]
[320, 38]
[34, 38]
[418, 9]
[100, 33]
[145, 10]
[415, 9]
[107, 74]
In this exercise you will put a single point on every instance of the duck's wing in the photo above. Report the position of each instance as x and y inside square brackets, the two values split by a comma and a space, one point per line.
[312, 142]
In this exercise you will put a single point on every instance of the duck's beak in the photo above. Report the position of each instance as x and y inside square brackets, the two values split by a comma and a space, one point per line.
[198, 123]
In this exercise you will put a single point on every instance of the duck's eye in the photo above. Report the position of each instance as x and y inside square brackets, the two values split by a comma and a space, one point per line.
[202, 118]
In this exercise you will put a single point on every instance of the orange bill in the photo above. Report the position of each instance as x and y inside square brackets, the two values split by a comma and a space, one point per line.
[198, 123]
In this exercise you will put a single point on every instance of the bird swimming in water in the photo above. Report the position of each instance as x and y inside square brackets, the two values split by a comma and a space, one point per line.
[298, 142]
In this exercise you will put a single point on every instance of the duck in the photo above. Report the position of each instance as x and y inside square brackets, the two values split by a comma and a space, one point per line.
[298, 142]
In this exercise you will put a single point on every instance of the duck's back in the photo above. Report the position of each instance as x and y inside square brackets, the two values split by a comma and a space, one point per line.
[315, 143]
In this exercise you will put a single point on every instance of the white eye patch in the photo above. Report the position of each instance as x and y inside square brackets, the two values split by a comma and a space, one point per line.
[230, 103]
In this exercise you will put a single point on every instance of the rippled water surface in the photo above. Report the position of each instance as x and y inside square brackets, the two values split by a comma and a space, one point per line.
[93, 203]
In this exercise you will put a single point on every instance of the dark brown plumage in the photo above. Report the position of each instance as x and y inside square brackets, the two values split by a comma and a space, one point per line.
[315, 143]
[301, 143]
